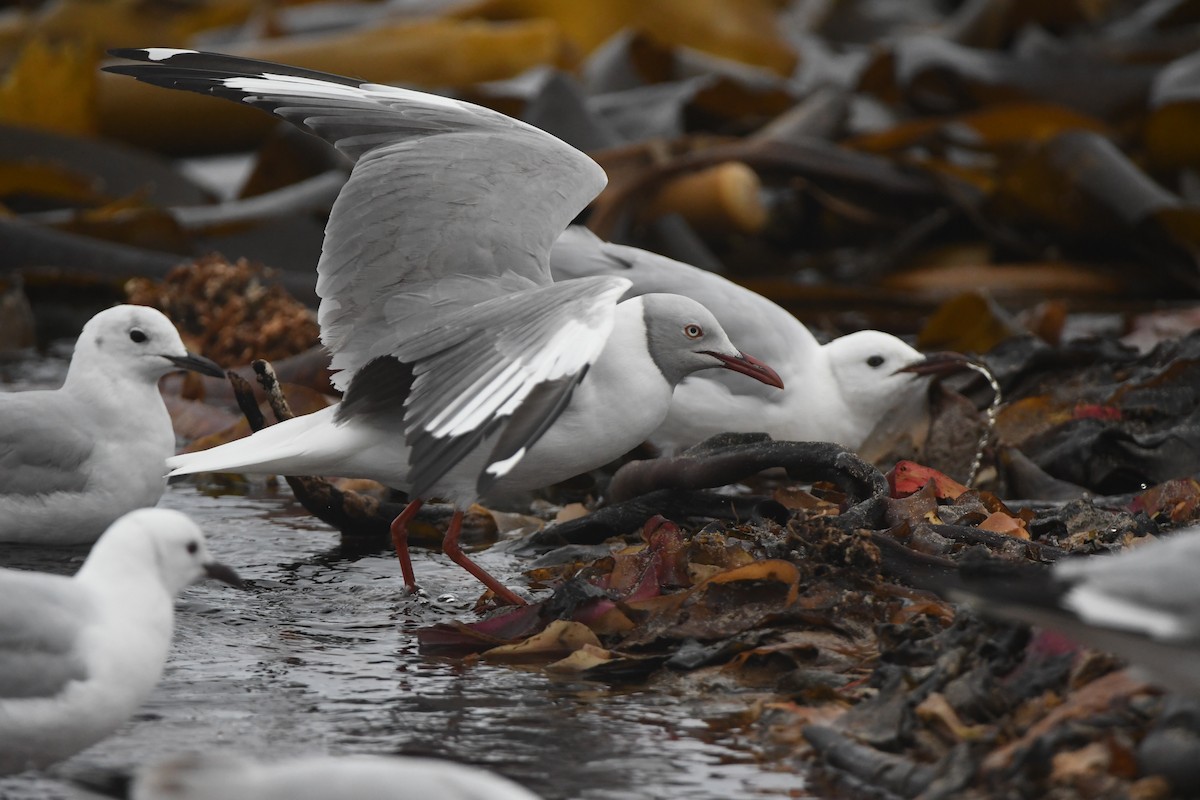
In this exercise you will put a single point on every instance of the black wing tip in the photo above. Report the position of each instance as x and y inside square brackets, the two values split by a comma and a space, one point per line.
[216, 65]
[142, 53]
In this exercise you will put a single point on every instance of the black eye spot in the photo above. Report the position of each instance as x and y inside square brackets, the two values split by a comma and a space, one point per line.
[875, 361]
[138, 335]
[693, 331]
[193, 547]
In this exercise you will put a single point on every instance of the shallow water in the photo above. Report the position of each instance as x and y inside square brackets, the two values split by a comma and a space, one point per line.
[320, 656]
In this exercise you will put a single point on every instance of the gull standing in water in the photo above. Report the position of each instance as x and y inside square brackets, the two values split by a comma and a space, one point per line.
[464, 366]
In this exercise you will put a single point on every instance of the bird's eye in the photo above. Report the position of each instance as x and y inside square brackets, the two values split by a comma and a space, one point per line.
[193, 547]
[138, 335]
[875, 361]
[693, 331]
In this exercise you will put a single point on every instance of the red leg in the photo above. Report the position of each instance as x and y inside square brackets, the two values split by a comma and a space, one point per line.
[450, 547]
[400, 540]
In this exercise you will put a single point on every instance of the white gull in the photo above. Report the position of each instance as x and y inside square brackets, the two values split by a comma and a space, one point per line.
[846, 391]
[464, 366]
[79, 654]
[74, 459]
[223, 776]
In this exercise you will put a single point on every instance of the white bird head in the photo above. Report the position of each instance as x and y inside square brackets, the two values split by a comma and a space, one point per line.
[159, 542]
[684, 337]
[136, 340]
[864, 365]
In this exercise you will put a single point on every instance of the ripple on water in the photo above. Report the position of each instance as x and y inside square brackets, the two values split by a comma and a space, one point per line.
[319, 656]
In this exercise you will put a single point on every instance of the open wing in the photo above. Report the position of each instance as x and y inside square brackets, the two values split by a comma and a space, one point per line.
[449, 203]
[502, 370]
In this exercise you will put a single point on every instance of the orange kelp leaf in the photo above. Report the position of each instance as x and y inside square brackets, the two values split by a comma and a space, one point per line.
[995, 127]
[586, 657]
[556, 640]
[1178, 500]
[1023, 419]
[1070, 766]
[434, 53]
[52, 87]
[1097, 696]
[999, 522]
[1170, 132]
[937, 712]
[769, 570]
[722, 199]
[136, 23]
[127, 222]
[1180, 224]
[586, 25]
[742, 30]
[1033, 278]
[967, 323]
[1080, 182]
[1018, 124]
[909, 476]
[48, 180]
[1170, 135]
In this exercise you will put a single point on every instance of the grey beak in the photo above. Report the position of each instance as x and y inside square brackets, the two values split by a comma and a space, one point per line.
[197, 363]
[939, 364]
[224, 573]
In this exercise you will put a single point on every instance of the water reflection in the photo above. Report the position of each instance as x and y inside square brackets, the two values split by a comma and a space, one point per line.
[319, 656]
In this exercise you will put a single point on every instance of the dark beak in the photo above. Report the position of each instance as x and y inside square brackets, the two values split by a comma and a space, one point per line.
[197, 364]
[939, 364]
[221, 572]
[749, 365]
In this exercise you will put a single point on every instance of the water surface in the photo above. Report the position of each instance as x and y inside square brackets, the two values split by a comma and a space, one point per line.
[320, 656]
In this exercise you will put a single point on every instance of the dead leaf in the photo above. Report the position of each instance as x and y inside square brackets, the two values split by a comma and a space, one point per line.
[586, 657]
[571, 511]
[558, 638]
[967, 323]
[1094, 698]
[1177, 500]
[908, 477]
[742, 30]
[999, 522]
[937, 712]
[1070, 766]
